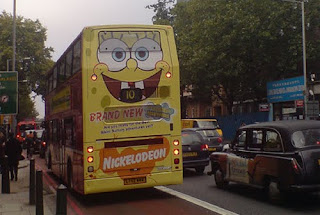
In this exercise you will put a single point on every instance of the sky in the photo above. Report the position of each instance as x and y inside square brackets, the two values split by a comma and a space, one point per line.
[64, 19]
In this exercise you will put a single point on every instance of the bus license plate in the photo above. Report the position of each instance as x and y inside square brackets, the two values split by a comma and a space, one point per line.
[140, 180]
[189, 154]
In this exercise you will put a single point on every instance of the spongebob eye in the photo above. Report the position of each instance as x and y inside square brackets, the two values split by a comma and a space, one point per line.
[118, 54]
[147, 52]
[142, 53]
[114, 53]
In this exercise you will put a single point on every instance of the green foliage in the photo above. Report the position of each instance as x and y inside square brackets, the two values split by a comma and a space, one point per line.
[162, 10]
[31, 51]
[26, 107]
[240, 45]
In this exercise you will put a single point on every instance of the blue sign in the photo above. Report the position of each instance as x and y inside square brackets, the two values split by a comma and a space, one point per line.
[285, 90]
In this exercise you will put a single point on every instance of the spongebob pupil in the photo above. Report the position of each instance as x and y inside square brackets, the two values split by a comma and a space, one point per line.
[119, 55]
[142, 54]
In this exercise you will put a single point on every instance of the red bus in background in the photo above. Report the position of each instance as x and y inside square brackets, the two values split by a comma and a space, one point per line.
[23, 126]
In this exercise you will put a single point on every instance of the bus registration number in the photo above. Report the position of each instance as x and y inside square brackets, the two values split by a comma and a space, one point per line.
[140, 180]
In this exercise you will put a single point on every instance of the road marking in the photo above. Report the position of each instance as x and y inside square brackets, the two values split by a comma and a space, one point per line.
[196, 201]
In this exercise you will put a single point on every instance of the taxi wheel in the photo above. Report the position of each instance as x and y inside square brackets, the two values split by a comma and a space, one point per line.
[219, 177]
[266, 185]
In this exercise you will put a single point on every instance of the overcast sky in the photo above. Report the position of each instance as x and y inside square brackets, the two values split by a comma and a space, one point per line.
[64, 19]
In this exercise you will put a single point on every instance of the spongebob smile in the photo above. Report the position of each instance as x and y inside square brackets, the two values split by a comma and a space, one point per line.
[141, 89]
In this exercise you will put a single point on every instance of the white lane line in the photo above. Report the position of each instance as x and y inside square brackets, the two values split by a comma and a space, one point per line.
[196, 201]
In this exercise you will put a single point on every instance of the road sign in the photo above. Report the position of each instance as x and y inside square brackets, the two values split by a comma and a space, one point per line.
[8, 92]
[313, 109]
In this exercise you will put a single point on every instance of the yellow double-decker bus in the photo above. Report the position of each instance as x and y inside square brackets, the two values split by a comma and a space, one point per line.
[113, 110]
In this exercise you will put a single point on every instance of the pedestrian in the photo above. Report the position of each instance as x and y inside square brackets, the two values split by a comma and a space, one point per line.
[34, 135]
[13, 151]
[2, 142]
[29, 141]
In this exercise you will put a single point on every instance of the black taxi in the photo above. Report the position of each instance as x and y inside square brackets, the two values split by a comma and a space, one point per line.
[284, 152]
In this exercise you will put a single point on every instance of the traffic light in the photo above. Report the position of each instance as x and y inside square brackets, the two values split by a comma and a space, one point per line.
[26, 64]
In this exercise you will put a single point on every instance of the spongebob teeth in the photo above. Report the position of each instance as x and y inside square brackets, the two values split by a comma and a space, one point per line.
[124, 85]
[139, 84]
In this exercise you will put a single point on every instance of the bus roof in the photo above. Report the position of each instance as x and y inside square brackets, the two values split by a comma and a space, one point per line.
[27, 122]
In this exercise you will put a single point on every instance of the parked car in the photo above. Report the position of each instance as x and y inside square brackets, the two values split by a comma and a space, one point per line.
[211, 137]
[194, 151]
[43, 144]
[284, 152]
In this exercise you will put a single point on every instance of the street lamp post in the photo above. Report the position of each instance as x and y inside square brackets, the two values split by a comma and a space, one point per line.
[304, 55]
[304, 60]
[8, 64]
[14, 37]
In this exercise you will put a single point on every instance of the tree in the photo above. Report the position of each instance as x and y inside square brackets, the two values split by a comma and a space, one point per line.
[233, 48]
[162, 9]
[33, 58]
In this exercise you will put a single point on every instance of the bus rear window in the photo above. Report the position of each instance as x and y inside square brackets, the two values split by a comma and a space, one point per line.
[27, 127]
[208, 124]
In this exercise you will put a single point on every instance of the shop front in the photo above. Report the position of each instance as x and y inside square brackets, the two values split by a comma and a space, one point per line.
[286, 99]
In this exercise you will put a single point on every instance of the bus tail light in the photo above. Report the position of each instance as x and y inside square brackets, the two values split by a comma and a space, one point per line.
[90, 159]
[90, 149]
[176, 151]
[168, 75]
[176, 161]
[43, 143]
[176, 142]
[219, 140]
[204, 147]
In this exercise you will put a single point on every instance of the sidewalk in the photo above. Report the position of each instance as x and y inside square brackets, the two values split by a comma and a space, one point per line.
[17, 202]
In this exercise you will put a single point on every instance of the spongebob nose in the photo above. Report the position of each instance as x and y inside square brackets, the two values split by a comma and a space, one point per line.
[132, 64]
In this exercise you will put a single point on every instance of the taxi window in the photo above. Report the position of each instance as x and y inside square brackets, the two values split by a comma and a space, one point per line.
[257, 140]
[241, 139]
[273, 142]
[304, 138]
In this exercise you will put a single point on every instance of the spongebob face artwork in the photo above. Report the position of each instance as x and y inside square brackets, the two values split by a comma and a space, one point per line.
[131, 64]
